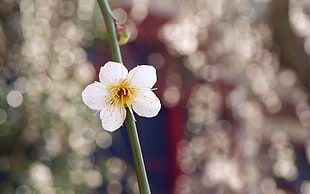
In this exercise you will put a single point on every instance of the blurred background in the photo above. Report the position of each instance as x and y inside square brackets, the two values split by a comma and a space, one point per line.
[233, 79]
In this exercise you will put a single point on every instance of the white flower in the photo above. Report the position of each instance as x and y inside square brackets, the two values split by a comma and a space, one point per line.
[119, 89]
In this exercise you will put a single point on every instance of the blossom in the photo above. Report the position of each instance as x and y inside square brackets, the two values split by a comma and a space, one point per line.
[118, 90]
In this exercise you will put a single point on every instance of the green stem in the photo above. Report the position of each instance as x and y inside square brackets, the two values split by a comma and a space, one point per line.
[109, 22]
[130, 121]
[136, 153]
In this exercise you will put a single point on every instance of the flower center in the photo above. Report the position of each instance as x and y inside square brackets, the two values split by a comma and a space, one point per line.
[122, 93]
[125, 92]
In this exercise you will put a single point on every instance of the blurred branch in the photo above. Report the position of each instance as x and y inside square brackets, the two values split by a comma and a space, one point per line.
[291, 48]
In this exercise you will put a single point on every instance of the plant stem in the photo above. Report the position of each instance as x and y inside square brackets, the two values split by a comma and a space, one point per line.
[130, 121]
[136, 153]
[110, 26]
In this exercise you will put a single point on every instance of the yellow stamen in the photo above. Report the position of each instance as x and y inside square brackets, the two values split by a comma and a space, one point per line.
[122, 93]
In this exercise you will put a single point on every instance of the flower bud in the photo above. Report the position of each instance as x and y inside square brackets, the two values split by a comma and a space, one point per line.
[122, 34]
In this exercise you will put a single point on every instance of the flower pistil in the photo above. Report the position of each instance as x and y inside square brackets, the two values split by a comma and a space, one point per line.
[122, 93]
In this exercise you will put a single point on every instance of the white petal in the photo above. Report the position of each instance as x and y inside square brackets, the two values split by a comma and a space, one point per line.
[112, 72]
[95, 96]
[112, 117]
[147, 104]
[143, 76]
